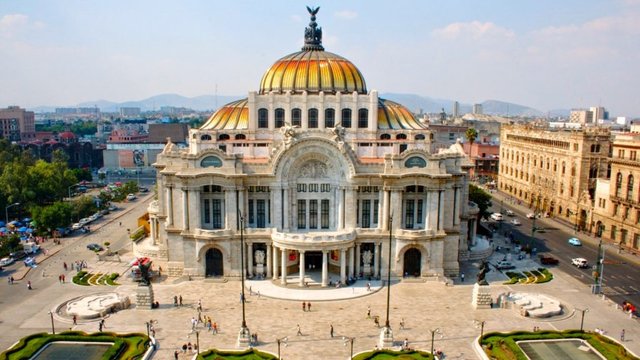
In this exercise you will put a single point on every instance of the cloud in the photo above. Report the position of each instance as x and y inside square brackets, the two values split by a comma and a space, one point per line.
[346, 14]
[12, 23]
[473, 29]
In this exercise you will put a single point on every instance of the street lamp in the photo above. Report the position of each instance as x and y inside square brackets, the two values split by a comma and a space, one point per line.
[582, 317]
[433, 335]
[282, 340]
[346, 340]
[53, 329]
[244, 336]
[387, 333]
[6, 212]
[197, 342]
[480, 324]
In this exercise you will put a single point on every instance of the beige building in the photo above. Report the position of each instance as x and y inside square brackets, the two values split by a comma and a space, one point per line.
[17, 124]
[554, 170]
[617, 203]
[315, 174]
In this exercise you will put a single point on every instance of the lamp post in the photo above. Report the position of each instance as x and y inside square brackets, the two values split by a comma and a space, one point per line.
[282, 340]
[350, 340]
[197, 342]
[597, 276]
[244, 336]
[480, 324]
[6, 211]
[386, 337]
[433, 335]
[582, 317]
[53, 329]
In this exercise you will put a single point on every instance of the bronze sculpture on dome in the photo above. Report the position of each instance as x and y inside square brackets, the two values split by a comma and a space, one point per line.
[313, 33]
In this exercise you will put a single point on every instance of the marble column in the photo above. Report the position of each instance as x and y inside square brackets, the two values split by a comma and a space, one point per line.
[352, 250]
[169, 206]
[194, 209]
[231, 214]
[351, 217]
[283, 266]
[302, 267]
[275, 263]
[380, 209]
[241, 205]
[325, 268]
[285, 210]
[152, 225]
[440, 210]
[456, 205]
[341, 206]
[185, 209]
[269, 263]
[385, 210]
[249, 256]
[376, 260]
[433, 210]
[357, 260]
[343, 266]
[396, 209]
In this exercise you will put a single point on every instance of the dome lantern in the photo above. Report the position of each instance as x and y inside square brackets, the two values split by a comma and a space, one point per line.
[313, 33]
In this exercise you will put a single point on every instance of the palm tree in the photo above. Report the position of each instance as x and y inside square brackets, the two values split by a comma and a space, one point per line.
[471, 135]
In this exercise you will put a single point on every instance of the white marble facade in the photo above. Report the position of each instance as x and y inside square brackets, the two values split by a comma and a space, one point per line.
[312, 194]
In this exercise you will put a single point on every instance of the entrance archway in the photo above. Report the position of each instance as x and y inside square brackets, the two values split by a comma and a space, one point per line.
[213, 263]
[313, 260]
[412, 259]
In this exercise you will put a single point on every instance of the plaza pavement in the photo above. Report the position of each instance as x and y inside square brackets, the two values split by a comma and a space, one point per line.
[425, 306]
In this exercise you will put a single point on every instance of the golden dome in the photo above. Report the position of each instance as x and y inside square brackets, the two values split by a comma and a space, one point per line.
[393, 116]
[234, 115]
[313, 71]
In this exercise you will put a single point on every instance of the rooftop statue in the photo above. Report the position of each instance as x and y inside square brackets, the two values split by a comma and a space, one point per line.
[313, 33]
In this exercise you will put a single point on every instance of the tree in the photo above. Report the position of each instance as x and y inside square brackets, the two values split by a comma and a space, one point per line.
[49, 218]
[83, 207]
[471, 134]
[480, 198]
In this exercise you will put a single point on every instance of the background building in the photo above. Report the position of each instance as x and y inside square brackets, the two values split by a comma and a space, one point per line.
[319, 173]
[553, 170]
[17, 124]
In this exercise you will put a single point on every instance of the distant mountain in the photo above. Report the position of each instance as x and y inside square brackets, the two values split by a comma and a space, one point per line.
[200, 103]
[496, 107]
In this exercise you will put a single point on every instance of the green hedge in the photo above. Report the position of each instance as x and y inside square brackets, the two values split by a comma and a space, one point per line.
[125, 346]
[503, 346]
[82, 278]
[111, 279]
[251, 354]
[393, 354]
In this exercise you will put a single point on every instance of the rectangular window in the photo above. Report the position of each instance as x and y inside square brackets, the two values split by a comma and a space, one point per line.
[261, 213]
[251, 217]
[325, 187]
[313, 214]
[302, 214]
[408, 214]
[419, 212]
[376, 204]
[614, 232]
[324, 214]
[217, 213]
[313, 187]
[302, 187]
[207, 212]
[366, 214]
[346, 118]
[632, 155]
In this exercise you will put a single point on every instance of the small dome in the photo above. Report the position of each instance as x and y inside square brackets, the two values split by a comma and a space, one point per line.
[313, 71]
[66, 135]
[234, 115]
[394, 116]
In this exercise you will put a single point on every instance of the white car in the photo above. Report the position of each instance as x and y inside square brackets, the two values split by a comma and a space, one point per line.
[497, 217]
[580, 262]
[131, 197]
[6, 261]
[531, 216]
[76, 226]
[510, 213]
[516, 222]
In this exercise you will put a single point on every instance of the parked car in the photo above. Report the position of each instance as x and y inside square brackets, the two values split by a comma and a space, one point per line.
[575, 241]
[497, 217]
[504, 265]
[17, 255]
[510, 213]
[94, 247]
[76, 226]
[30, 261]
[143, 190]
[548, 260]
[533, 215]
[580, 262]
[515, 222]
[6, 261]
[131, 197]
[112, 208]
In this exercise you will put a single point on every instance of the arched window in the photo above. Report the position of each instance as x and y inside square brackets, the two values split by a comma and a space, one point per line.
[630, 187]
[329, 118]
[363, 118]
[346, 118]
[313, 118]
[263, 118]
[564, 168]
[401, 137]
[241, 136]
[419, 137]
[619, 185]
[279, 117]
[205, 137]
[296, 117]
[211, 161]
[385, 137]
[223, 137]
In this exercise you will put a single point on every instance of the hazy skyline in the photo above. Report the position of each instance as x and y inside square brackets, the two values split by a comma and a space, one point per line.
[541, 53]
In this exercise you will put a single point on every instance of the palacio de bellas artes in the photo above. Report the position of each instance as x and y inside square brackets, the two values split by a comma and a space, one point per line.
[314, 175]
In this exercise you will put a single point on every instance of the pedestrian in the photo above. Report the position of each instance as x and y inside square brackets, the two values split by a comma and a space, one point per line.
[101, 325]
[64, 278]
[308, 306]
[194, 322]
[184, 348]
[376, 320]
[29, 285]
[402, 324]
[368, 312]
[199, 304]
[331, 330]
[461, 277]
[120, 223]
[75, 320]
[180, 300]
[304, 306]
[12, 280]
[299, 333]
[60, 278]
[622, 335]
[215, 327]
[65, 266]
[175, 300]
[175, 354]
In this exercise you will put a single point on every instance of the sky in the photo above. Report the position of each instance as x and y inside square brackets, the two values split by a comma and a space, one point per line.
[546, 54]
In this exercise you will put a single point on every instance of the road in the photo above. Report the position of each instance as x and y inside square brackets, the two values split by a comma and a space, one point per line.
[621, 276]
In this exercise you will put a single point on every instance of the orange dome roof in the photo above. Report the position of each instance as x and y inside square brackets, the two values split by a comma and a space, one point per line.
[394, 116]
[313, 71]
[234, 115]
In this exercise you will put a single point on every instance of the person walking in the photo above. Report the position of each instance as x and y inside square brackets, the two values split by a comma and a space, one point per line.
[176, 354]
[308, 306]
[331, 330]
[28, 285]
[461, 277]
[298, 333]
[75, 320]
[368, 312]
[180, 300]
[402, 324]
[304, 306]
[175, 300]
[622, 335]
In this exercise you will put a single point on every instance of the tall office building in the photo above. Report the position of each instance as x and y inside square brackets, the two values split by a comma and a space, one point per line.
[17, 124]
